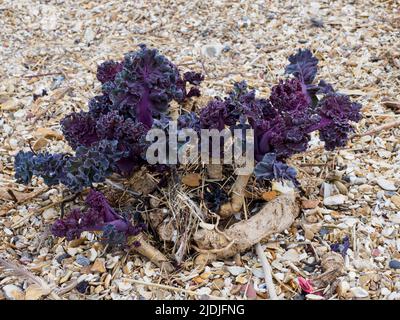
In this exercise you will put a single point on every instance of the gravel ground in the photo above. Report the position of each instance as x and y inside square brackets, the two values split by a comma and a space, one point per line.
[49, 53]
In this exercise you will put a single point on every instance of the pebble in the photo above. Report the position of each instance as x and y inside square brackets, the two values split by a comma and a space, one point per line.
[386, 184]
[235, 270]
[62, 256]
[83, 261]
[341, 187]
[342, 288]
[124, 286]
[35, 292]
[89, 35]
[203, 291]
[20, 114]
[394, 264]
[314, 297]
[396, 201]
[388, 232]
[394, 296]
[357, 181]
[385, 291]
[98, 266]
[212, 50]
[309, 204]
[258, 272]
[92, 254]
[218, 283]
[359, 292]
[291, 255]
[12, 292]
[82, 286]
[335, 200]
[49, 214]
[72, 251]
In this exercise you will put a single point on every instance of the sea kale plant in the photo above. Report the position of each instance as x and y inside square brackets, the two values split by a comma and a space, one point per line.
[136, 95]
[99, 216]
[283, 124]
[110, 137]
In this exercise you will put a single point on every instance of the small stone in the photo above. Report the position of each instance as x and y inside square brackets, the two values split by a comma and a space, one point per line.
[21, 113]
[107, 281]
[341, 187]
[66, 277]
[40, 144]
[335, 200]
[49, 214]
[83, 261]
[342, 288]
[124, 285]
[375, 253]
[92, 254]
[75, 243]
[386, 184]
[394, 264]
[99, 289]
[82, 286]
[235, 270]
[359, 292]
[308, 234]
[205, 275]
[12, 292]
[394, 296]
[72, 251]
[291, 255]
[35, 292]
[111, 262]
[281, 187]
[395, 218]
[314, 297]
[218, 283]
[62, 256]
[9, 104]
[89, 35]
[98, 266]
[198, 280]
[192, 179]
[203, 291]
[48, 133]
[212, 50]
[388, 232]
[258, 272]
[396, 201]
[269, 195]
[309, 204]
[242, 279]
[385, 291]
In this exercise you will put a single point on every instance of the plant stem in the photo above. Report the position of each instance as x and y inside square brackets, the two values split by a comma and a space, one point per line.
[267, 272]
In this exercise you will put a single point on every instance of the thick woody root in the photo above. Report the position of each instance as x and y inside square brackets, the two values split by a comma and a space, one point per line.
[237, 199]
[150, 252]
[276, 216]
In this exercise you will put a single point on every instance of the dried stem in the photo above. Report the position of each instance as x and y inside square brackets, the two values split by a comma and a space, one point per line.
[150, 252]
[378, 129]
[267, 272]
